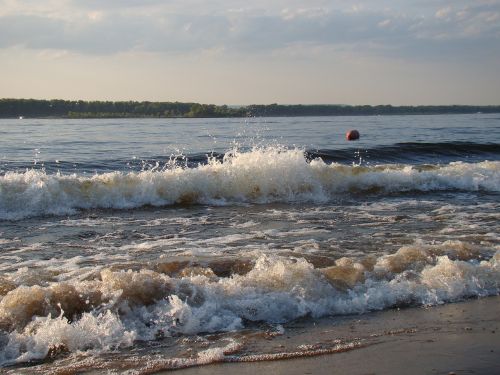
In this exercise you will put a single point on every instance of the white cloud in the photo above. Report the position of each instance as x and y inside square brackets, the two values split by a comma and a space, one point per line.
[443, 12]
[95, 15]
[384, 23]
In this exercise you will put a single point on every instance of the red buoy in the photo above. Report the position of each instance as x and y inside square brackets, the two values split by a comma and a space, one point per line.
[352, 135]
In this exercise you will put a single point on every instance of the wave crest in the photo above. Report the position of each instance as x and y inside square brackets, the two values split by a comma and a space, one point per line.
[118, 307]
[257, 176]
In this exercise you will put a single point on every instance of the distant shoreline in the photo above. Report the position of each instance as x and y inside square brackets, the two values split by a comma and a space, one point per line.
[70, 109]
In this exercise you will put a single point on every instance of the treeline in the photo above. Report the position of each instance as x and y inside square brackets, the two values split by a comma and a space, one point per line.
[106, 109]
[365, 110]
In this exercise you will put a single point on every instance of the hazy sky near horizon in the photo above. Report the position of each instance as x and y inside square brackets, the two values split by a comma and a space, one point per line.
[243, 52]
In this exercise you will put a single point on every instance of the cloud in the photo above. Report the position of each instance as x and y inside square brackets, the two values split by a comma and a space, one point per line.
[443, 12]
[384, 23]
[107, 27]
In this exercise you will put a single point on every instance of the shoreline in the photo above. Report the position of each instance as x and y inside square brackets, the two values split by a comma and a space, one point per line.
[456, 338]
[80, 109]
[234, 117]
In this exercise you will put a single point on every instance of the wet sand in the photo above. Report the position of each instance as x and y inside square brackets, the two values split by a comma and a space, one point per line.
[459, 338]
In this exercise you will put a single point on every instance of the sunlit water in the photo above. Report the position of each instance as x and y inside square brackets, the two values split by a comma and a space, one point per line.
[120, 237]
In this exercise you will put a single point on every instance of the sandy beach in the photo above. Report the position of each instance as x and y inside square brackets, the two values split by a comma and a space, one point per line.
[459, 338]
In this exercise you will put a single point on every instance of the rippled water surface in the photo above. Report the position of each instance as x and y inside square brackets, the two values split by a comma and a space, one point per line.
[127, 245]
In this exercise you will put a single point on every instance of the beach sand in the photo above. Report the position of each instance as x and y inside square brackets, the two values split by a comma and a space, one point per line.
[458, 338]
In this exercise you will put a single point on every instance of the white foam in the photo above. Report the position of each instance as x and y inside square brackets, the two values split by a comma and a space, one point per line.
[117, 308]
[103, 331]
[258, 176]
[246, 224]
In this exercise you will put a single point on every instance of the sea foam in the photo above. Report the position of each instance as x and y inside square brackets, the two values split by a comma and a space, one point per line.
[257, 176]
[116, 308]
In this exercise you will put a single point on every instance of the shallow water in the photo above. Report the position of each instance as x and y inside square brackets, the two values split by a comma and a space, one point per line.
[120, 237]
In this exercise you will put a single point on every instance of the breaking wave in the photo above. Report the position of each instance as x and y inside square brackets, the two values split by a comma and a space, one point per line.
[113, 309]
[256, 176]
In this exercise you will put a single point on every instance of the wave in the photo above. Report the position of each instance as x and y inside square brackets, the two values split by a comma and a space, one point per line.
[257, 176]
[412, 152]
[113, 309]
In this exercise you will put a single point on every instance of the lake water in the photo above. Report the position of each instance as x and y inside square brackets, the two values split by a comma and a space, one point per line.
[132, 244]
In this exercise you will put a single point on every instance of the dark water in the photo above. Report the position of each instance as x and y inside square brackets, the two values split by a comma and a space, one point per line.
[171, 242]
[90, 146]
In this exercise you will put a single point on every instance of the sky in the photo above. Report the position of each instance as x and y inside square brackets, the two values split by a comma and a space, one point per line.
[404, 52]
